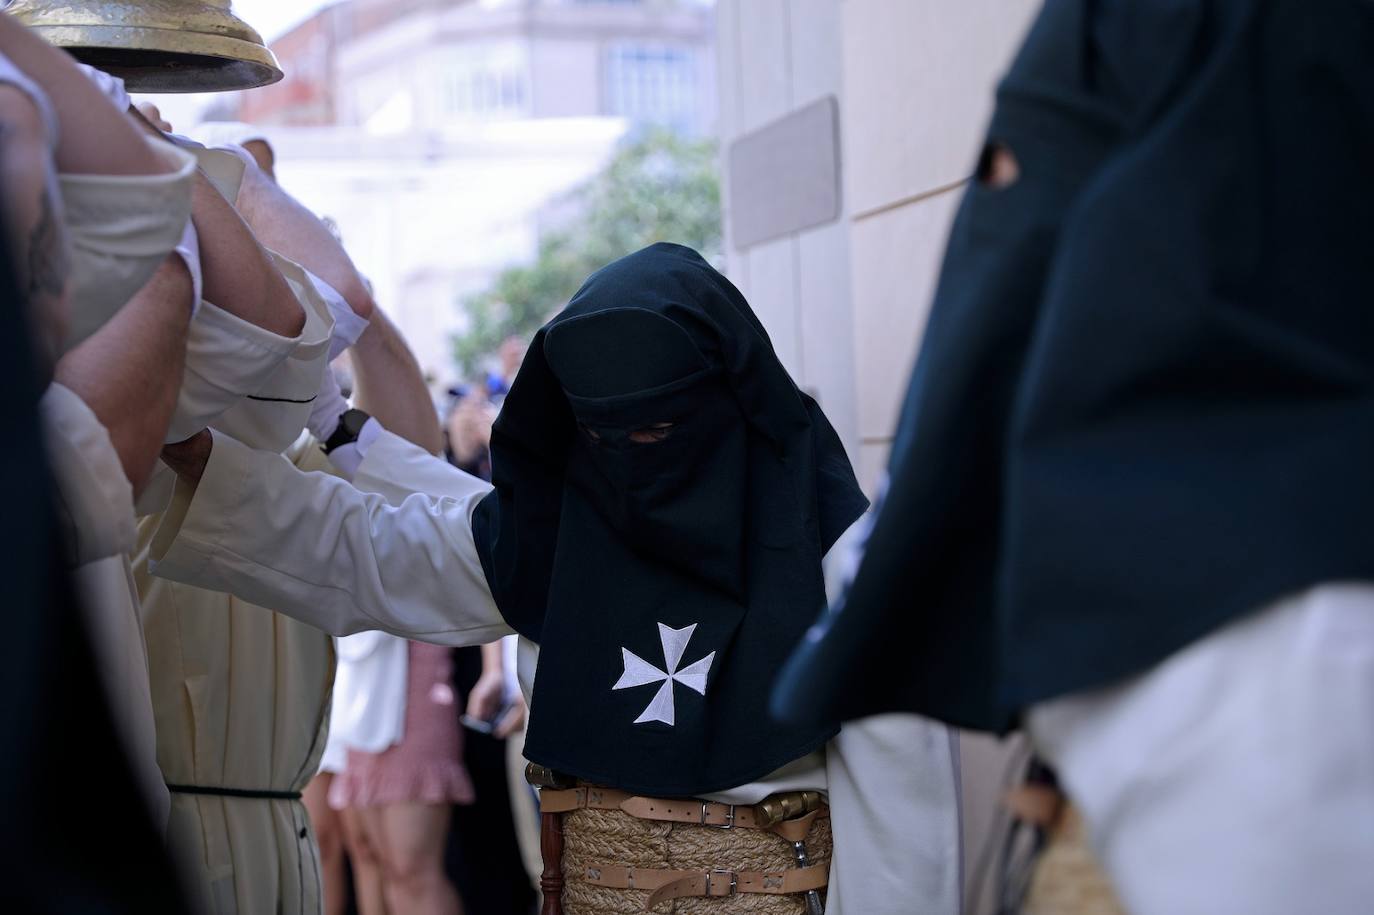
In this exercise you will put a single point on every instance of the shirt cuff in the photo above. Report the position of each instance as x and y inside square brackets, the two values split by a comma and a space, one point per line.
[348, 458]
[227, 359]
[348, 325]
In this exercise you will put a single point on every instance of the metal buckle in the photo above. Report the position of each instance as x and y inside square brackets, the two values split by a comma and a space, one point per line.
[722, 872]
[729, 817]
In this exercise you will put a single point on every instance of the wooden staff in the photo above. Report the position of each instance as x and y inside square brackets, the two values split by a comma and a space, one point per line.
[550, 838]
[551, 845]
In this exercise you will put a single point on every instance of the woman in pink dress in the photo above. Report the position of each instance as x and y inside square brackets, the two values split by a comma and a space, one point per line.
[400, 799]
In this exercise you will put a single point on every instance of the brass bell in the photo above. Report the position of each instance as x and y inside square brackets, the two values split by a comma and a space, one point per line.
[156, 45]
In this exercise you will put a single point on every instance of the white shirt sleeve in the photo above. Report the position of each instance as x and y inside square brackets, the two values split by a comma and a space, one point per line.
[95, 503]
[396, 468]
[316, 548]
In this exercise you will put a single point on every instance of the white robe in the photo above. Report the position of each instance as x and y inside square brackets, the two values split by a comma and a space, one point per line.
[346, 561]
[95, 511]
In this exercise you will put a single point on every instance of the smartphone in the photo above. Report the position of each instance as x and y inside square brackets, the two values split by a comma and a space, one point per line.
[481, 725]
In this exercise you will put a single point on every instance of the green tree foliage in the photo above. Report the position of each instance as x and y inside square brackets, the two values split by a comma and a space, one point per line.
[658, 187]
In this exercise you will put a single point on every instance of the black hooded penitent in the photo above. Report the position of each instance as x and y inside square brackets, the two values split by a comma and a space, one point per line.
[1144, 403]
[664, 495]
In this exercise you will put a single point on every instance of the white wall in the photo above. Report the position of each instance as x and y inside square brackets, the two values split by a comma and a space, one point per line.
[919, 78]
[776, 56]
[846, 303]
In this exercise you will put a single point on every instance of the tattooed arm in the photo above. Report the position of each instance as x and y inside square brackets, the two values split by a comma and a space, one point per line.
[32, 221]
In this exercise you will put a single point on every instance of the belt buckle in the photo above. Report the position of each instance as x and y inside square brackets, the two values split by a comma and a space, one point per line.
[729, 817]
[721, 872]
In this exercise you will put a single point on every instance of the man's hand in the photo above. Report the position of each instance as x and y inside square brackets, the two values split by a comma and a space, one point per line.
[513, 720]
[189, 458]
[154, 116]
[487, 696]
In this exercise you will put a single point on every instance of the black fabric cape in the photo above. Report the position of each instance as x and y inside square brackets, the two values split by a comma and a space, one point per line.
[1144, 403]
[666, 582]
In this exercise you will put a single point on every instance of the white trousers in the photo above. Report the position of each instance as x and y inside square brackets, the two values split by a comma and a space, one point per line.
[1238, 775]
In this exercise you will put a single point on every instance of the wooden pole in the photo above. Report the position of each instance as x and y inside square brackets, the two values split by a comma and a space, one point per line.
[551, 845]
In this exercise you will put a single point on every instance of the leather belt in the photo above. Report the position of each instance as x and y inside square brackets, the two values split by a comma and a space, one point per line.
[675, 884]
[675, 810]
[211, 791]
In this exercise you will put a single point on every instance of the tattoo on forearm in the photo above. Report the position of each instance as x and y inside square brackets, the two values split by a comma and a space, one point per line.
[47, 255]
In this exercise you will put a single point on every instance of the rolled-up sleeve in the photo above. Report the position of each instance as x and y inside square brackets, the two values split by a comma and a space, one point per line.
[227, 359]
[121, 228]
[316, 548]
[95, 503]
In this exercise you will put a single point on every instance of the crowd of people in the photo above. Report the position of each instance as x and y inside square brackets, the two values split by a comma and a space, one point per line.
[350, 653]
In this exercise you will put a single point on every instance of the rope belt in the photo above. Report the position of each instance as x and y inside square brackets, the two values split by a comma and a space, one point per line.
[676, 810]
[790, 816]
[674, 884]
[235, 792]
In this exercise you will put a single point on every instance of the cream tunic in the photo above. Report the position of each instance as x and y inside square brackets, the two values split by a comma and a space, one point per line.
[241, 700]
[95, 512]
[347, 561]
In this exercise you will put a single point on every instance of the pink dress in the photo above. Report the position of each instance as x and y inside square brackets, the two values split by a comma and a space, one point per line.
[426, 767]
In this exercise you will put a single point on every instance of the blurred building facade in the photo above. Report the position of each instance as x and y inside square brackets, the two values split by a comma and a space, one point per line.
[398, 65]
[848, 130]
[431, 218]
[438, 133]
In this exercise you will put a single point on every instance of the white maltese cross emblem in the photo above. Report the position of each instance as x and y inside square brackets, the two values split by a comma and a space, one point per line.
[639, 672]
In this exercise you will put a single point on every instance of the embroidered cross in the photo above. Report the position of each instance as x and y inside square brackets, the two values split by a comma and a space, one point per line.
[639, 672]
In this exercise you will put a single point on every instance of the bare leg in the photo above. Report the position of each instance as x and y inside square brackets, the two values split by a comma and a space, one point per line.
[412, 847]
[329, 836]
[361, 844]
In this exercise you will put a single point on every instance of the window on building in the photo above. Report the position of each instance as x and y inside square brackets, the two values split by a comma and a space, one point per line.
[653, 84]
[485, 93]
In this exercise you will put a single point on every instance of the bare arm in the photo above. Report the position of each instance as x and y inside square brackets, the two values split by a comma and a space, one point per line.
[283, 224]
[130, 370]
[390, 387]
[389, 384]
[95, 139]
[239, 276]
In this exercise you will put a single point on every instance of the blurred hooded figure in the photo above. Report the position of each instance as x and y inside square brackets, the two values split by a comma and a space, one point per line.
[1129, 504]
[55, 712]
